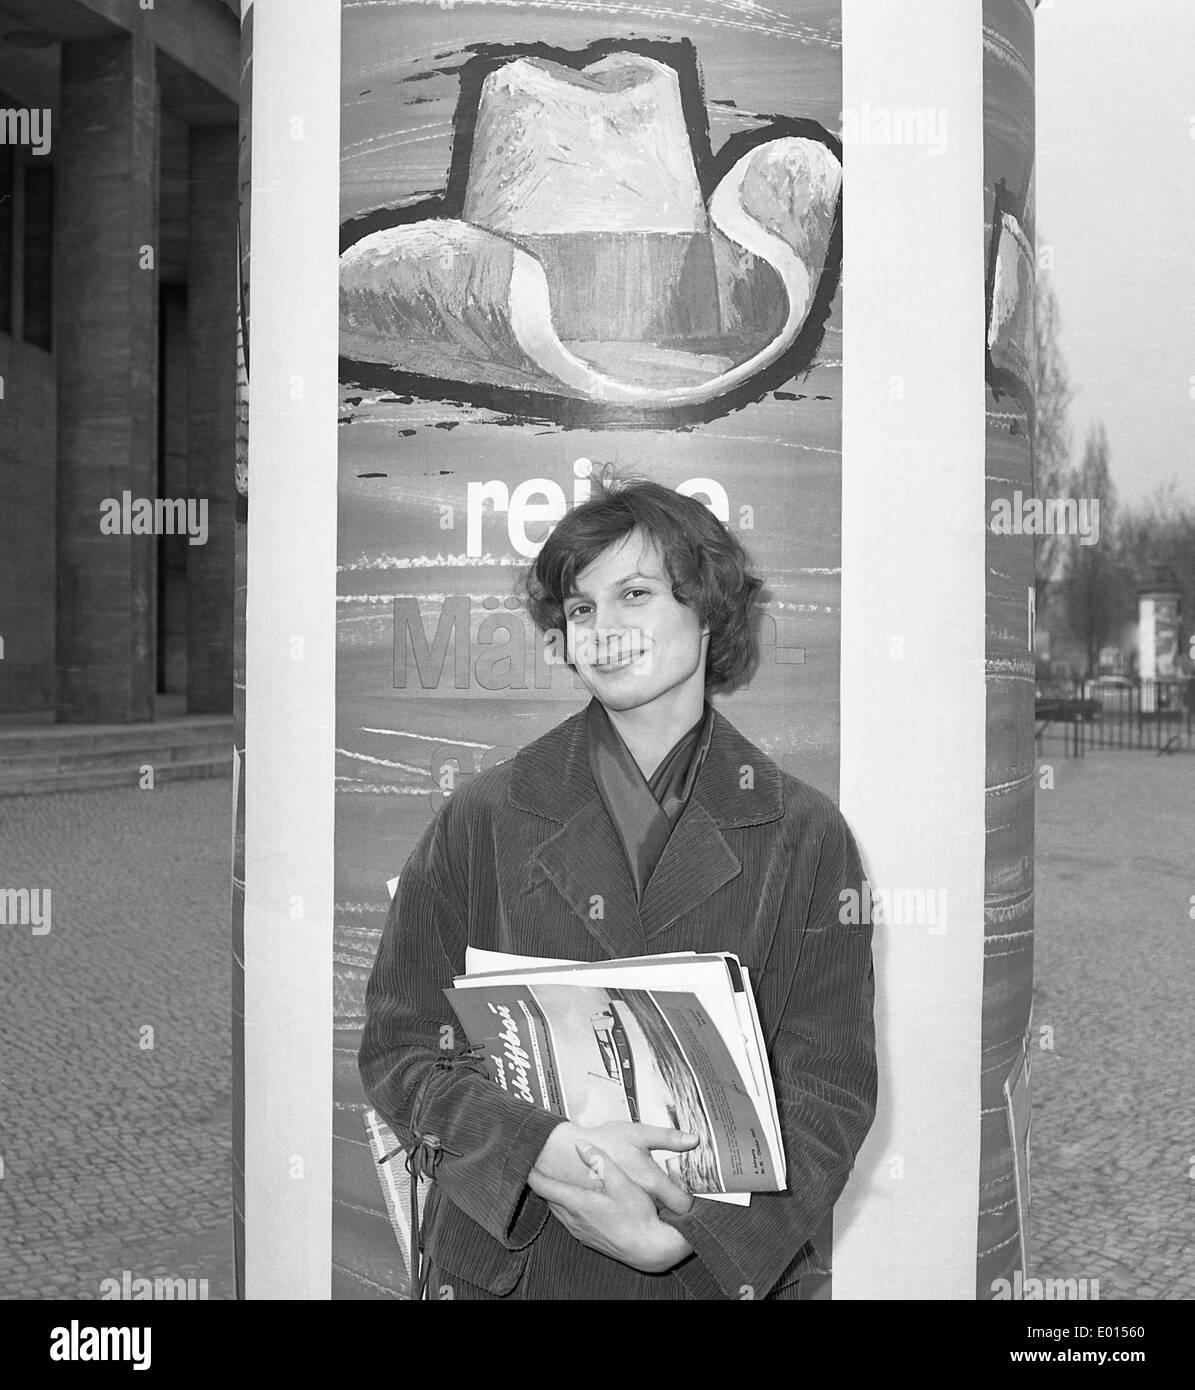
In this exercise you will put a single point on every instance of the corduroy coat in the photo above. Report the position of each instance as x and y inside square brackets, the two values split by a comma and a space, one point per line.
[525, 859]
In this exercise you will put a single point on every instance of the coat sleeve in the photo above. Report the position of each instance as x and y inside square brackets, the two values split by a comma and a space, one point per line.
[824, 1067]
[490, 1140]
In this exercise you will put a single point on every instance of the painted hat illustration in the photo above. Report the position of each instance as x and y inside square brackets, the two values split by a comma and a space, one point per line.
[586, 262]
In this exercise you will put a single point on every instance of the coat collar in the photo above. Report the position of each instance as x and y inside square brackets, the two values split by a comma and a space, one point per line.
[737, 786]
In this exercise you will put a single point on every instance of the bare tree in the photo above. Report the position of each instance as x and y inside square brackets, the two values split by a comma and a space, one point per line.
[1051, 434]
[1093, 585]
[1159, 533]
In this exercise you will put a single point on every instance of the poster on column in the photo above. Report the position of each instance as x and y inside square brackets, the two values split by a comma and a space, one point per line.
[1010, 232]
[610, 239]
[573, 238]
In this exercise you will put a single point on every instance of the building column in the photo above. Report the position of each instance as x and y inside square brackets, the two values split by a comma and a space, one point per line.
[105, 321]
[211, 413]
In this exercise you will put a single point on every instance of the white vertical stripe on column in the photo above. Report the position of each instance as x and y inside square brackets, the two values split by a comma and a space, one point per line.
[290, 655]
[913, 705]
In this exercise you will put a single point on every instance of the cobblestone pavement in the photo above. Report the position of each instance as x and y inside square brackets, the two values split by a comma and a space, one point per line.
[1113, 1161]
[116, 1155]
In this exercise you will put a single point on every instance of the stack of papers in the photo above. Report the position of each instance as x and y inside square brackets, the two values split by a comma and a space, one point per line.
[671, 1040]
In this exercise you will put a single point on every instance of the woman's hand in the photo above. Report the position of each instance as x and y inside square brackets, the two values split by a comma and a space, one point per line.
[630, 1146]
[612, 1214]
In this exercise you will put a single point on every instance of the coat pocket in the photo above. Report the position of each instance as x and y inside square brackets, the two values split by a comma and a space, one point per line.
[808, 1261]
[458, 1245]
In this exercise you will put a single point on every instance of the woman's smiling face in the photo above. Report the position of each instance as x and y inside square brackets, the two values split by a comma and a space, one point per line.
[631, 641]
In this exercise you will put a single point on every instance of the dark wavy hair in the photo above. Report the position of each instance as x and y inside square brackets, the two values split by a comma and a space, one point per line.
[707, 565]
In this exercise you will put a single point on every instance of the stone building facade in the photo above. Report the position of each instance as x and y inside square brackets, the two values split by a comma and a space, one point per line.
[118, 283]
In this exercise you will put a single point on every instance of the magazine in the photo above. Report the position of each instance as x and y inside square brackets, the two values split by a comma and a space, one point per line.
[663, 1040]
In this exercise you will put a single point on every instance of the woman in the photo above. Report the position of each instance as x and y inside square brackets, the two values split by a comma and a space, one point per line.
[611, 836]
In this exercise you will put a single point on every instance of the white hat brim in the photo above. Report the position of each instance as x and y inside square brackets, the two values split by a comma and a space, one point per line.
[449, 301]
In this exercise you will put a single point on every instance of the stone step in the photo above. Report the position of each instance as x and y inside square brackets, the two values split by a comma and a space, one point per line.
[95, 779]
[96, 759]
[64, 757]
[199, 729]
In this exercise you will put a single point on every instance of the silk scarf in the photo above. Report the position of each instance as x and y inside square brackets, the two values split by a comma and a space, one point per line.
[644, 812]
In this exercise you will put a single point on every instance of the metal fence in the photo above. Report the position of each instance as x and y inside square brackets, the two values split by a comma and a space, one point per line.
[1157, 715]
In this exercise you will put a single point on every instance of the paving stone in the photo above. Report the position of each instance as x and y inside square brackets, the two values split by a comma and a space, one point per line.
[1114, 968]
[117, 1157]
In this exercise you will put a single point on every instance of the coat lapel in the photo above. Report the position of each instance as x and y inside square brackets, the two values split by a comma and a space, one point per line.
[584, 858]
[586, 863]
[696, 862]
[737, 786]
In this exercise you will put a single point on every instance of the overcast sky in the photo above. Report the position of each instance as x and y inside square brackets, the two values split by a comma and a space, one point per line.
[1116, 200]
